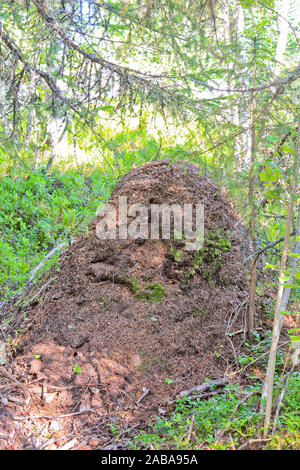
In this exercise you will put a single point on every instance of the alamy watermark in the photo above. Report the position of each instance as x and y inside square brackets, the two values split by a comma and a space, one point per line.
[160, 221]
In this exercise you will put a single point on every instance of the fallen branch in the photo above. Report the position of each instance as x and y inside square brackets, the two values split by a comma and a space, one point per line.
[50, 255]
[207, 394]
[20, 294]
[21, 418]
[13, 379]
[205, 386]
[59, 389]
[254, 392]
[14, 400]
[146, 391]
[38, 293]
[252, 441]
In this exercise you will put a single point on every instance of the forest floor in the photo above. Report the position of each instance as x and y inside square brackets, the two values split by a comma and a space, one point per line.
[123, 327]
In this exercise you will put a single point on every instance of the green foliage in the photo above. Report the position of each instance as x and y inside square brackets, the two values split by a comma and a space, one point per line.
[135, 283]
[198, 259]
[77, 369]
[40, 211]
[209, 417]
[169, 381]
[152, 293]
[289, 418]
[177, 254]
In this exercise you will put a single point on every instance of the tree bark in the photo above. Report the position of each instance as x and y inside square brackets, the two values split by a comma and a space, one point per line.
[269, 381]
[251, 310]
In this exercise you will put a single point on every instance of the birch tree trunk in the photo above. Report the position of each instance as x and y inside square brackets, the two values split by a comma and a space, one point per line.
[269, 381]
[234, 18]
[282, 7]
[251, 310]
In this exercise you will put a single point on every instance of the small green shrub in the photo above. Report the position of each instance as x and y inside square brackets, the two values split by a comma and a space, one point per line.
[152, 293]
[177, 255]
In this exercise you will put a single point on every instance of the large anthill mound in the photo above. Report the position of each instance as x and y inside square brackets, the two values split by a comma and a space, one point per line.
[124, 315]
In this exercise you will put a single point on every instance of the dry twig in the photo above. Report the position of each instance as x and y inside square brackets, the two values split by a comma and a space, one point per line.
[205, 386]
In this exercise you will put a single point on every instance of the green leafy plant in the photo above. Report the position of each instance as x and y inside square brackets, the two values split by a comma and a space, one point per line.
[169, 381]
[177, 255]
[152, 292]
[171, 432]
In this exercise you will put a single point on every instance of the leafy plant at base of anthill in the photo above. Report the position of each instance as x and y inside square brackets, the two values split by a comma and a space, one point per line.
[211, 254]
[289, 417]
[209, 418]
[287, 434]
[177, 255]
[135, 283]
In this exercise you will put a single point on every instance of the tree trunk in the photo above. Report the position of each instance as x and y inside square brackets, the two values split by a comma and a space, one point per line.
[269, 381]
[251, 310]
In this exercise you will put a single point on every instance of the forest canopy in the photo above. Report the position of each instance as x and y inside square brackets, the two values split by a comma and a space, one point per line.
[203, 63]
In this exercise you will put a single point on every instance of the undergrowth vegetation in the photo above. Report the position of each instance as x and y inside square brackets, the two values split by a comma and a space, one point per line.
[38, 212]
[222, 422]
[231, 417]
